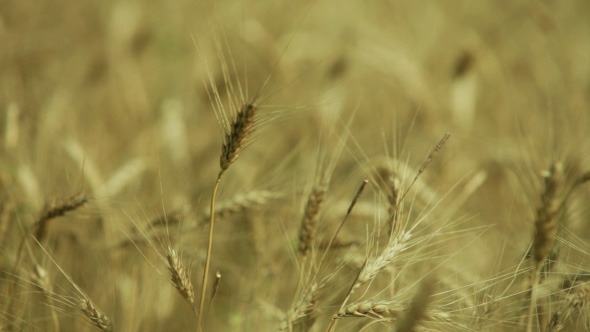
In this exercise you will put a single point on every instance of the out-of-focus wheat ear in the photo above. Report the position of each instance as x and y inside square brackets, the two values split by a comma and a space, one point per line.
[236, 136]
[389, 183]
[546, 219]
[417, 309]
[95, 315]
[56, 210]
[545, 229]
[427, 162]
[310, 219]
[576, 303]
[240, 203]
[180, 277]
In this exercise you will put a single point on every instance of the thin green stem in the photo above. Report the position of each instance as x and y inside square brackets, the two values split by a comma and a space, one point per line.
[208, 259]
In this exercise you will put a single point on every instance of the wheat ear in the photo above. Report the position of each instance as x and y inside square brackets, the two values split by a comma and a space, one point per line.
[56, 210]
[180, 277]
[545, 229]
[95, 315]
[310, 219]
[235, 138]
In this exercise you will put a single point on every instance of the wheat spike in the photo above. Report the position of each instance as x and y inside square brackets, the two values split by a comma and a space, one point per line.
[546, 220]
[95, 315]
[545, 230]
[310, 219]
[234, 139]
[372, 267]
[179, 276]
[56, 210]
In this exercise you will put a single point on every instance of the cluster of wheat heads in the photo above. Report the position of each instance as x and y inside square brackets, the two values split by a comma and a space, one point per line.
[122, 208]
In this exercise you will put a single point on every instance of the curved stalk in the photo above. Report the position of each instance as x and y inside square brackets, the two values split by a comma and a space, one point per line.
[208, 259]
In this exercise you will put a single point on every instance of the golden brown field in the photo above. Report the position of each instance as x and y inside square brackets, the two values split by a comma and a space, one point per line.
[341, 203]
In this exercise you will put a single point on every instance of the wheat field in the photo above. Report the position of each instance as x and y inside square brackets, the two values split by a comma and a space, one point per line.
[295, 166]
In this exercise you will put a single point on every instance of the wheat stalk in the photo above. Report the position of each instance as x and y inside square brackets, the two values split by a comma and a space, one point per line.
[233, 142]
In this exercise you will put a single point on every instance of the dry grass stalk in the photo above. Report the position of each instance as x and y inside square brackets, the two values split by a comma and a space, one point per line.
[95, 315]
[56, 210]
[545, 229]
[180, 277]
[417, 309]
[235, 138]
[310, 219]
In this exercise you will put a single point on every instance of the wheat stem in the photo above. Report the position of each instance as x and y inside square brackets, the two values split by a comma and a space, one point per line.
[208, 259]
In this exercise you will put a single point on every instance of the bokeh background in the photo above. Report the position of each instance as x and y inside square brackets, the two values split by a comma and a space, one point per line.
[110, 99]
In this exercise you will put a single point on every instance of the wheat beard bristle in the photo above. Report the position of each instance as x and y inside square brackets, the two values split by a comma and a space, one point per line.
[234, 139]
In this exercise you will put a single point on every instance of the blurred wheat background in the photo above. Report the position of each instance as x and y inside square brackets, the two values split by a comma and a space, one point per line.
[110, 147]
